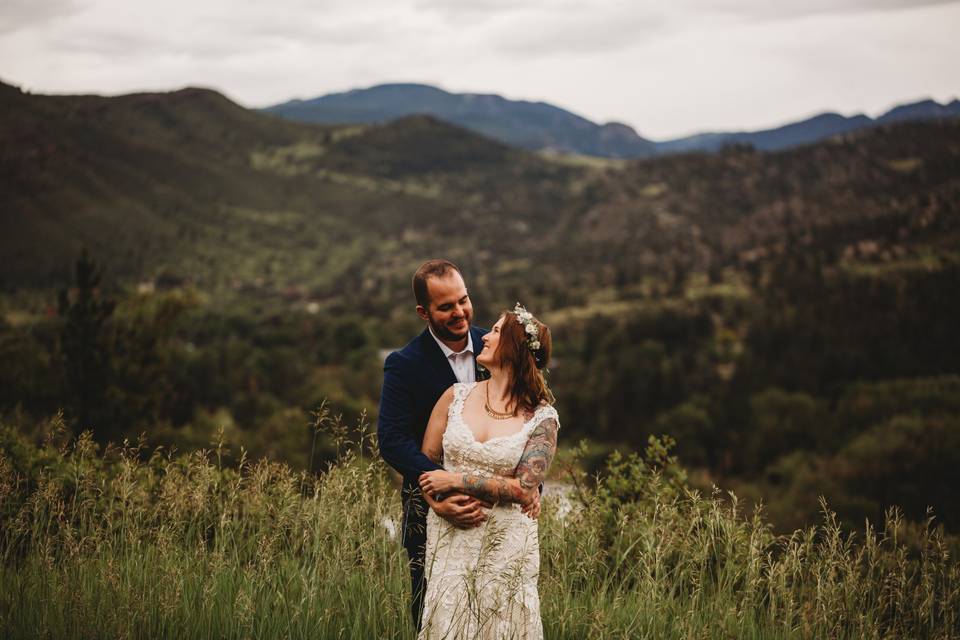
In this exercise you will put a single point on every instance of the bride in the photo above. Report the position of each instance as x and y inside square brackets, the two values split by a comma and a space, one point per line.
[496, 439]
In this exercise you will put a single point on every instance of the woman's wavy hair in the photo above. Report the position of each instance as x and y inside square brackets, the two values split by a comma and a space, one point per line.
[527, 387]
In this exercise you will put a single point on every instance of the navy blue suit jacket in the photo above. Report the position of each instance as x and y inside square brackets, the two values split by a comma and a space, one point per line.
[414, 378]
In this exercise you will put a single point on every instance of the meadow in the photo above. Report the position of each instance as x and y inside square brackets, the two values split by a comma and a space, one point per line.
[127, 542]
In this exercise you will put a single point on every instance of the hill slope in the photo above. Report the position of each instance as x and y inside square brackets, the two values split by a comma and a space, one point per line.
[190, 182]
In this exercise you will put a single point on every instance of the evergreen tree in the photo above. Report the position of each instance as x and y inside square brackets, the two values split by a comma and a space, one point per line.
[86, 359]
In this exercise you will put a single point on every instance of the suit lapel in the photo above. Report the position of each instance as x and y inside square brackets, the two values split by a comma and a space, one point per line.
[438, 362]
[481, 373]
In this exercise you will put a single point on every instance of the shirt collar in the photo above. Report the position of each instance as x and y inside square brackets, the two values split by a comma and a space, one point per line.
[447, 351]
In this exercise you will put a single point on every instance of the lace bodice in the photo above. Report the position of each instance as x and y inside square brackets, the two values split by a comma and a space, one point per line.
[500, 455]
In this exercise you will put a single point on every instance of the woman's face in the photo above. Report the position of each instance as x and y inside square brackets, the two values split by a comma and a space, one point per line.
[487, 355]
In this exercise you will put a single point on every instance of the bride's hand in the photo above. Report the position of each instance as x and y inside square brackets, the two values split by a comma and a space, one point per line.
[433, 482]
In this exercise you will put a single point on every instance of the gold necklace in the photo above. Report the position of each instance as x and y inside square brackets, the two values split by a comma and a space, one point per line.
[496, 415]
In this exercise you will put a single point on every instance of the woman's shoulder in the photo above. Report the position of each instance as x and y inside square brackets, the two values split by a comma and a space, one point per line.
[457, 391]
[447, 397]
[545, 404]
[546, 411]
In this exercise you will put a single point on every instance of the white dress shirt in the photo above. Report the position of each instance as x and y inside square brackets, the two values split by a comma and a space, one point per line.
[460, 361]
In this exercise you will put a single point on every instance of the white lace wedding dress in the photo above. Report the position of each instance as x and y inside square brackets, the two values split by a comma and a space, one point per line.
[482, 582]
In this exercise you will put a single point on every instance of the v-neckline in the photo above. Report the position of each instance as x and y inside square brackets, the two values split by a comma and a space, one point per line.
[473, 436]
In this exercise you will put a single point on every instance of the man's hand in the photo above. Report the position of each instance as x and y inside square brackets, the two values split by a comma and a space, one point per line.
[532, 508]
[462, 511]
[439, 481]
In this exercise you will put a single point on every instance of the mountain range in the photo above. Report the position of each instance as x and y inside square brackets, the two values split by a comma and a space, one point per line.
[519, 123]
[190, 184]
[540, 126]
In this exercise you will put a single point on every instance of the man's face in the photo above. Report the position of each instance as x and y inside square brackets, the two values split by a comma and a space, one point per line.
[450, 310]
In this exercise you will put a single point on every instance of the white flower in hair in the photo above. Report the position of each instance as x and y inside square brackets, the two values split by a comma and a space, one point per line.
[525, 318]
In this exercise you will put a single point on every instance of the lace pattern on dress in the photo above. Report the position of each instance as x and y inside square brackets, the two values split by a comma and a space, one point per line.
[482, 582]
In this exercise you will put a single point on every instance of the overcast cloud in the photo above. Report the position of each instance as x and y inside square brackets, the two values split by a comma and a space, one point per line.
[667, 70]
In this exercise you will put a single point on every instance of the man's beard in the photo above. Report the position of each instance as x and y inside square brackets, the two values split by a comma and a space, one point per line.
[445, 333]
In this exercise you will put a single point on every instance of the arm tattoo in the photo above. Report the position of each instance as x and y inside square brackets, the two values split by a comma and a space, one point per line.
[538, 454]
[490, 488]
[531, 470]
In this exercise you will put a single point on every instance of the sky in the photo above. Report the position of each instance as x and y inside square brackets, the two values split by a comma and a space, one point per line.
[668, 68]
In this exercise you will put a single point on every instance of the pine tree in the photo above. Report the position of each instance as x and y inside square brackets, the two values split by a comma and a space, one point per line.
[86, 359]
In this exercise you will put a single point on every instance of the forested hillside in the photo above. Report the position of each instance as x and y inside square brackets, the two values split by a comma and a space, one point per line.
[788, 318]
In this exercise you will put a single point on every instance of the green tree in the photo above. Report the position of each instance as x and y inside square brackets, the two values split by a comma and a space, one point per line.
[911, 461]
[86, 359]
[784, 422]
[690, 426]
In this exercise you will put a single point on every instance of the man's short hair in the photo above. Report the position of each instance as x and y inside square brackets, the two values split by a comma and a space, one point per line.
[430, 269]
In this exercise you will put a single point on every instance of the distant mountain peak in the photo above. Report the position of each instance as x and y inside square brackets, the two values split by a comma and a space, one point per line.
[619, 126]
[405, 85]
[518, 123]
[813, 129]
[921, 110]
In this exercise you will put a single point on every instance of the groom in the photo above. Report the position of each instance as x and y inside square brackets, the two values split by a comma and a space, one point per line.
[414, 378]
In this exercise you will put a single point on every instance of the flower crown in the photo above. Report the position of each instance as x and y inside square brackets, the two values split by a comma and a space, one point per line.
[525, 318]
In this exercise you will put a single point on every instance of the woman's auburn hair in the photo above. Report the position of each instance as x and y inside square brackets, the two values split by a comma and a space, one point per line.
[526, 388]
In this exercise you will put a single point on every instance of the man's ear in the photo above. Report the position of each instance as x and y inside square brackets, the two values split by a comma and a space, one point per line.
[422, 312]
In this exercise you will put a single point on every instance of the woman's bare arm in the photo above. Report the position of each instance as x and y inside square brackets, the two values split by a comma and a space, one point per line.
[432, 445]
[459, 510]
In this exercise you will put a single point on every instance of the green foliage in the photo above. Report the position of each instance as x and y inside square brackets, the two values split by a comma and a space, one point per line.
[618, 373]
[138, 544]
[31, 376]
[636, 479]
[690, 427]
[888, 443]
[865, 404]
[784, 423]
[909, 460]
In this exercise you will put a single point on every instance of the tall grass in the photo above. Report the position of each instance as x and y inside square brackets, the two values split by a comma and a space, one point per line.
[119, 544]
